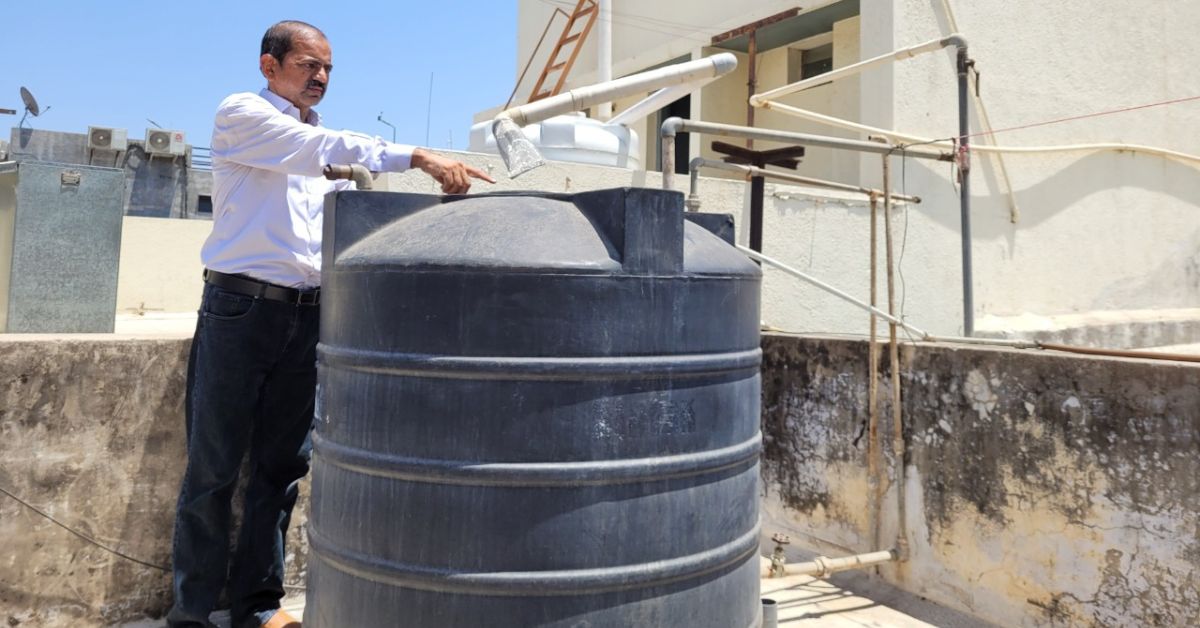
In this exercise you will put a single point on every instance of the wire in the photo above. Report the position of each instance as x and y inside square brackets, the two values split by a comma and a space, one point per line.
[1083, 116]
[82, 535]
[102, 546]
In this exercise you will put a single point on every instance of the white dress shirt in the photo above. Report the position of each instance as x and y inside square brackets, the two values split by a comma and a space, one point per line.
[268, 191]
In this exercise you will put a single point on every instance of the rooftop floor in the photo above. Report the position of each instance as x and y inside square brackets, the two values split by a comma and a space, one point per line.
[802, 601]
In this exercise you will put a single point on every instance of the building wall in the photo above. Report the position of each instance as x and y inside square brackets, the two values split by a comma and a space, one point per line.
[160, 269]
[1093, 232]
[1097, 231]
[158, 186]
[1040, 489]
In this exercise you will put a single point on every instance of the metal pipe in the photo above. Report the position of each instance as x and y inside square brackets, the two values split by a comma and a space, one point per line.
[920, 334]
[758, 100]
[668, 159]
[822, 566]
[1121, 353]
[759, 257]
[770, 613]
[752, 83]
[873, 452]
[520, 155]
[964, 170]
[672, 126]
[894, 359]
[701, 162]
[355, 172]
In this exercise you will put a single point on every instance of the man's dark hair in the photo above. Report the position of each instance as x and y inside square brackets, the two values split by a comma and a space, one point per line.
[277, 41]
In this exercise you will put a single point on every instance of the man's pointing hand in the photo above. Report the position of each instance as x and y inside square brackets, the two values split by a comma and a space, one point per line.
[454, 176]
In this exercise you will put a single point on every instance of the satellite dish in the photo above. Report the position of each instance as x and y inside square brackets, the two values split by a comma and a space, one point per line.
[31, 103]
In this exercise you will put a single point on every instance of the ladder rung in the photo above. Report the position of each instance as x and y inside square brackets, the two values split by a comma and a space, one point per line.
[571, 38]
[584, 12]
[539, 96]
[557, 66]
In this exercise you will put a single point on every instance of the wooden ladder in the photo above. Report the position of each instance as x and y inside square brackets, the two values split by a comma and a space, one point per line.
[572, 39]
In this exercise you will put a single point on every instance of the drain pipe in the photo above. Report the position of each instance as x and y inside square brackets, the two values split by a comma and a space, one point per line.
[963, 160]
[354, 172]
[693, 198]
[520, 155]
[776, 566]
[822, 566]
[770, 613]
[604, 55]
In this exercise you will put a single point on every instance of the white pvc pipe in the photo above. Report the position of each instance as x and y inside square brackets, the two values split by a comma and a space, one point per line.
[604, 55]
[758, 100]
[656, 101]
[982, 148]
[823, 565]
[584, 97]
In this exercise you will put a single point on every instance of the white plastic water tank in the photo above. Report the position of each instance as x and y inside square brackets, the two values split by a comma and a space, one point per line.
[574, 138]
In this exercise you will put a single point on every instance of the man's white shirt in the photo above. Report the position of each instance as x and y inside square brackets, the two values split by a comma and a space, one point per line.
[268, 191]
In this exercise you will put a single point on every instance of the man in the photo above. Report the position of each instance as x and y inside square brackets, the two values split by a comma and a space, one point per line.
[252, 370]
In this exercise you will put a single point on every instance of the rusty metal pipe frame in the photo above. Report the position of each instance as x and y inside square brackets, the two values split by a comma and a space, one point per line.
[693, 199]
[898, 445]
[675, 125]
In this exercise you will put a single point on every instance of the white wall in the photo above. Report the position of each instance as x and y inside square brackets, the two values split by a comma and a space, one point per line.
[160, 269]
[1096, 231]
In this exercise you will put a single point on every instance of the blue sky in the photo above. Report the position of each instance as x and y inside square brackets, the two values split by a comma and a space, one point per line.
[119, 62]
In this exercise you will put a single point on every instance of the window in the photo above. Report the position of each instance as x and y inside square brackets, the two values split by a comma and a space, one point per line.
[805, 64]
[204, 204]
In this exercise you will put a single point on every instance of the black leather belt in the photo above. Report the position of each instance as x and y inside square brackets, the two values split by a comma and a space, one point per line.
[248, 286]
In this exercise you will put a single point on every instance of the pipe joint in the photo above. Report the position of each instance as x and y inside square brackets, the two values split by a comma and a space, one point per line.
[355, 172]
[671, 126]
[956, 40]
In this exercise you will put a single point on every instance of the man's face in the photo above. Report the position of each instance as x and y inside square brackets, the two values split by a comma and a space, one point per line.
[303, 75]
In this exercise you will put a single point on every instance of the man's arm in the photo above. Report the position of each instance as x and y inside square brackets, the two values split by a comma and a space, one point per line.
[250, 131]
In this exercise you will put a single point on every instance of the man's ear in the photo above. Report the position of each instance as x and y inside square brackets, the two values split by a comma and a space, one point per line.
[268, 65]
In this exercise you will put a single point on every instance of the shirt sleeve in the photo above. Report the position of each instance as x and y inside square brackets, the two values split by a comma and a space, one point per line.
[250, 131]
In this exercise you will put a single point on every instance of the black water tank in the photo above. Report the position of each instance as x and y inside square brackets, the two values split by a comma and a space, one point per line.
[534, 410]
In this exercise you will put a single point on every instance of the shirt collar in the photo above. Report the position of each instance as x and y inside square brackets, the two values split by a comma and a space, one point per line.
[282, 104]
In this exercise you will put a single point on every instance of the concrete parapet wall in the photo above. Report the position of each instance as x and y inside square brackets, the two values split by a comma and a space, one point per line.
[92, 433]
[1042, 489]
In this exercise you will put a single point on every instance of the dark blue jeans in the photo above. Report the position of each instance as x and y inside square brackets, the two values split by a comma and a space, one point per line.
[251, 382]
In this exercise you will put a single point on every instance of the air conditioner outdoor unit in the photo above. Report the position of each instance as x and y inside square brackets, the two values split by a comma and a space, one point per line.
[165, 142]
[104, 138]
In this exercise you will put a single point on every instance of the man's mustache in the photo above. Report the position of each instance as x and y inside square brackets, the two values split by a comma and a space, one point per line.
[315, 83]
